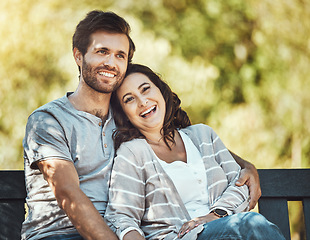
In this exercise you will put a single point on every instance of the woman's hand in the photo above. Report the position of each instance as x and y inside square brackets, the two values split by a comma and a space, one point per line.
[190, 225]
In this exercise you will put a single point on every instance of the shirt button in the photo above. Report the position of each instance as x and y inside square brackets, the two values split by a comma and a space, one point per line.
[199, 181]
[105, 145]
[103, 133]
[100, 123]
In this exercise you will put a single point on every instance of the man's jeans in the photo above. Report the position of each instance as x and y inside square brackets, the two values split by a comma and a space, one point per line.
[245, 226]
[65, 237]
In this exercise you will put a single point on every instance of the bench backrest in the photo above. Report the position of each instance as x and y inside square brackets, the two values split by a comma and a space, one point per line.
[12, 204]
[278, 187]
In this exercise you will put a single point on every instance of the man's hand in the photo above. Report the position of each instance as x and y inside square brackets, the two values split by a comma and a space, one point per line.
[250, 177]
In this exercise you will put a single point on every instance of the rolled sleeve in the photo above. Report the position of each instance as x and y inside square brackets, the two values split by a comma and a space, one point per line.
[123, 233]
[44, 139]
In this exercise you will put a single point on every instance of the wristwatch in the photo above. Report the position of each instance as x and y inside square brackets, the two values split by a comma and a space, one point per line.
[220, 213]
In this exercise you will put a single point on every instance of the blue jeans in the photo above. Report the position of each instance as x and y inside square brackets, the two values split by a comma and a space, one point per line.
[241, 226]
[74, 236]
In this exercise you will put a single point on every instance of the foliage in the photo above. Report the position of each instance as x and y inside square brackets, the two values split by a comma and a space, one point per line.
[240, 66]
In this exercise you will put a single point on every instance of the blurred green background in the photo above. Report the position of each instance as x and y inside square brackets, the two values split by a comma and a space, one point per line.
[241, 67]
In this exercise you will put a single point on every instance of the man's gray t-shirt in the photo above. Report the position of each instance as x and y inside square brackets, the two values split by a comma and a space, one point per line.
[58, 131]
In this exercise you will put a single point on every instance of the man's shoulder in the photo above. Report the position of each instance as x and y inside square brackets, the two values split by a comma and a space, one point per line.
[53, 105]
[55, 108]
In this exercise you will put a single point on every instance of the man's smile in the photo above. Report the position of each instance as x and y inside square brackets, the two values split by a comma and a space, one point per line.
[106, 74]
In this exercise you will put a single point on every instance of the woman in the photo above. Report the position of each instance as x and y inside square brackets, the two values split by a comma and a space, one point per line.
[170, 179]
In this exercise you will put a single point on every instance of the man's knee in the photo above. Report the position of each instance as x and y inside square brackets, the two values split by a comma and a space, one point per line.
[254, 219]
[256, 226]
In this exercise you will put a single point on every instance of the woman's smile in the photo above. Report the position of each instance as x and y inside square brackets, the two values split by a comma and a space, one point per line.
[148, 112]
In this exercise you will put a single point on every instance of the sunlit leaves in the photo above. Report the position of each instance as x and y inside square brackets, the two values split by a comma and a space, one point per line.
[240, 66]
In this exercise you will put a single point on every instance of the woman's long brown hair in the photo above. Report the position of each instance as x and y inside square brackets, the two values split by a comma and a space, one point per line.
[175, 117]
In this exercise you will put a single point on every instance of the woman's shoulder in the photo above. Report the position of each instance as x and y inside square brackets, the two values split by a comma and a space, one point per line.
[137, 147]
[198, 129]
[132, 143]
[136, 151]
[199, 133]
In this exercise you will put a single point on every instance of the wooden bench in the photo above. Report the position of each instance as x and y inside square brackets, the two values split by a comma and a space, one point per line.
[12, 204]
[278, 187]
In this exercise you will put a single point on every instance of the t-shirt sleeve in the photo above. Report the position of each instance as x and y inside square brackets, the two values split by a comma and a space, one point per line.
[44, 139]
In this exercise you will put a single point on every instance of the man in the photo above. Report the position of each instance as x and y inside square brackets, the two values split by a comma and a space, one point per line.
[68, 147]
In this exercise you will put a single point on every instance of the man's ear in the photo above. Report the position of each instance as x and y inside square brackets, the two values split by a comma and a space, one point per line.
[78, 57]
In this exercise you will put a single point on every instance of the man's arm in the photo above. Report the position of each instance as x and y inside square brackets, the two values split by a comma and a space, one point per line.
[64, 181]
[250, 177]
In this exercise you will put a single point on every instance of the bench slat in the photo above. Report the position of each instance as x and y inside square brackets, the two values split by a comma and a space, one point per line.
[276, 211]
[12, 185]
[306, 204]
[292, 184]
[12, 203]
[12, 214]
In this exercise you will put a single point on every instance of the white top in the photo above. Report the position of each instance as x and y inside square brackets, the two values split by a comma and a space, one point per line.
[190, 179]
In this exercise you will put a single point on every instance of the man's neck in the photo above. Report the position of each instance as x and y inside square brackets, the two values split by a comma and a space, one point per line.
[91, 102]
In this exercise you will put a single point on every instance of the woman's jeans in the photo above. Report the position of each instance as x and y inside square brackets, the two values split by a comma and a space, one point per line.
[248, 225]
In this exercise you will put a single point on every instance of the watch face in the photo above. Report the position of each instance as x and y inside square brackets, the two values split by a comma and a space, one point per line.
[220, 212]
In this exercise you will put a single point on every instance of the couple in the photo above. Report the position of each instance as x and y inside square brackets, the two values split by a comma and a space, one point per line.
[69, 150]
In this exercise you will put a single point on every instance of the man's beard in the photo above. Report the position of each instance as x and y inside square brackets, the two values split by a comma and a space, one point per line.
[90, 77]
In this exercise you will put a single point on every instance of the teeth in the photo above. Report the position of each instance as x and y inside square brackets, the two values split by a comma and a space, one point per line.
[148, 111]
[106, 74]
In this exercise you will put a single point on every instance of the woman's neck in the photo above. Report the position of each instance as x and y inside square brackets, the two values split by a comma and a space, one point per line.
[156, 139]
[175, 151]
[153, 136]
